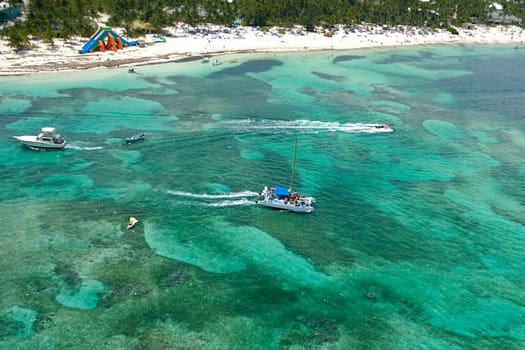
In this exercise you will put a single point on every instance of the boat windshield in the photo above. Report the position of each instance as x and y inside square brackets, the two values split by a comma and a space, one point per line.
[57, 138]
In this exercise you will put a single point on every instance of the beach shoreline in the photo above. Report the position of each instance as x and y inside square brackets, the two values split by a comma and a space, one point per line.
[64, 55]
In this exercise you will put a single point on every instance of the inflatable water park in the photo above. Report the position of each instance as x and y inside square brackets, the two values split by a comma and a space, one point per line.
[105, 39]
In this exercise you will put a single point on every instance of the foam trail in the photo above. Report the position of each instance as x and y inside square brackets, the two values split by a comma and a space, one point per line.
[218, 200]
[238, 202]
[213, 196]
[84, 148]
[248, 125]
[37, 149]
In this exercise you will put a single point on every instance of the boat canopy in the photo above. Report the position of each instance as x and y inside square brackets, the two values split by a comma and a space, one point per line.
[280, 191]
[48, 130]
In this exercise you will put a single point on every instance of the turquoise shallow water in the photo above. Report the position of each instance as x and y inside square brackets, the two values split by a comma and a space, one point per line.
[417, 240]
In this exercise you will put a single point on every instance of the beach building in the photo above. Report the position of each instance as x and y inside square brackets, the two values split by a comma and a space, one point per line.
[498, 16]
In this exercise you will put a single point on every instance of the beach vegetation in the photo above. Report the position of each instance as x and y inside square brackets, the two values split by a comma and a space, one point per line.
[18, 36]
[453, 30]
[48, 36]
[515, 8]
[49, 19]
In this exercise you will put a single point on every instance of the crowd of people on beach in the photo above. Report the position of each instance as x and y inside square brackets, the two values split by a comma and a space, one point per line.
[183, 41]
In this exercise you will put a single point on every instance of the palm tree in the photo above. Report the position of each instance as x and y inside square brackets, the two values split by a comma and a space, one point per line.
[18, 36]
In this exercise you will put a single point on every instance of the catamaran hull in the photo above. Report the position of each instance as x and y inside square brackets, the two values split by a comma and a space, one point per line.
[289, 206]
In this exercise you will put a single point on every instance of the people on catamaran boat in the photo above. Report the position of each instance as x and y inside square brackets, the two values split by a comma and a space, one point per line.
[279, 197]
[283, 198]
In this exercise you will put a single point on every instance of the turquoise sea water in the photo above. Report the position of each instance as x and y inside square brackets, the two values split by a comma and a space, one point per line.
[417, 240]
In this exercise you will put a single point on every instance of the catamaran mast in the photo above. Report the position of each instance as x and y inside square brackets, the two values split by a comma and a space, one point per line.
[294, 161]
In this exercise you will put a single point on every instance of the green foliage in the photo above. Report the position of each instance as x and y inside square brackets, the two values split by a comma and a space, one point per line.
[18, 37]
[49, 19]
[516, 8]
[453, 30]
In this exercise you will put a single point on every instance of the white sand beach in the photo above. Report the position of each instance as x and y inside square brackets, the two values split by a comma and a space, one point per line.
[64, 55]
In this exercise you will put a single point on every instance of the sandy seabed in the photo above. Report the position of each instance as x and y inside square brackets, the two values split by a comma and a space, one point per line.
[65, 56]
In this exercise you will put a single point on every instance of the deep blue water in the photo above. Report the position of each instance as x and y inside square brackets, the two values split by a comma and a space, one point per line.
[417, 240]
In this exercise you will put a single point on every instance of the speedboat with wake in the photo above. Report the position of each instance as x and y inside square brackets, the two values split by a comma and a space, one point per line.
[386, 127]
[48, 138]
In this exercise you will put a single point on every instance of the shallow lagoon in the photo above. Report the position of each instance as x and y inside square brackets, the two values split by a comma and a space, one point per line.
[417, 239]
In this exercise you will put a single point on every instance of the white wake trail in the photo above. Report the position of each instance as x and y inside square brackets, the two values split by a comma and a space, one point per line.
[218, 200]
[249, 125]
[213, 196]
[83, 148]
[239, 202]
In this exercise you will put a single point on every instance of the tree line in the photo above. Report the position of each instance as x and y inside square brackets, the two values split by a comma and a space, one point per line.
[51, 19]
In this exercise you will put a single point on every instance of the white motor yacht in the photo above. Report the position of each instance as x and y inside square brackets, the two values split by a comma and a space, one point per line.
[48, 138]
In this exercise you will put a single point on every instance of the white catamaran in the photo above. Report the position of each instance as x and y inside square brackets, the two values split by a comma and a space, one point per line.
[283, 198]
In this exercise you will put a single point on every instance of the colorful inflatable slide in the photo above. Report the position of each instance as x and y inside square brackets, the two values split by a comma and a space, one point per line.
[105, 39]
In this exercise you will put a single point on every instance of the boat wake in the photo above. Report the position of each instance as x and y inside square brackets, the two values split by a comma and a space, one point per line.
[83, 148]
[214, 196]
[312, 126]
[219, 200]
[243, 201]
[36, 149]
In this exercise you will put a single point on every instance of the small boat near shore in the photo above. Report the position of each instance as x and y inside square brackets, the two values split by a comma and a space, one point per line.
[48, 138]
[135, 138]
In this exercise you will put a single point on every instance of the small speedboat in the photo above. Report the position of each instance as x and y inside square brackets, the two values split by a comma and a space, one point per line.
[132, 222]
[383, 126]
[217, 62]
[48, 138]
[135, 138]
